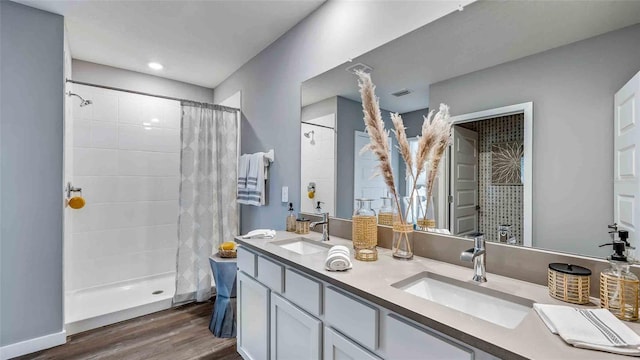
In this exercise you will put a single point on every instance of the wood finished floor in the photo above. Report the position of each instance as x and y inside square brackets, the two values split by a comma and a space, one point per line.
[180, 333]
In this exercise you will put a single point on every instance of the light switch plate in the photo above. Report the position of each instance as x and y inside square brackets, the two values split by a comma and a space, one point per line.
[285, 194]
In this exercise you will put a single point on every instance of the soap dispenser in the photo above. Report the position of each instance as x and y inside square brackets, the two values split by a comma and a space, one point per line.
[618, 285]
[291, 219]
[319, 207]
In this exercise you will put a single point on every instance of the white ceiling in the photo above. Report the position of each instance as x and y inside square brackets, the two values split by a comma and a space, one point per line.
[199, 42]
[485, 34]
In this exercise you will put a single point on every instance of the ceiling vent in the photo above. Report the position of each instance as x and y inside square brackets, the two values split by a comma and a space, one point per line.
[402, 92]
[359, 66]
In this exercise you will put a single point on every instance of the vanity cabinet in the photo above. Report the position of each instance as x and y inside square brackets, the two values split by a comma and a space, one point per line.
[286, 314]
[294, 333]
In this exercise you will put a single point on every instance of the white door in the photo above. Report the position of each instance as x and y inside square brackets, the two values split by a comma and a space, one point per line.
[338, 347]
[464, 181]
[626, 135]
[294, 333]
[365, 185]
[253, 318]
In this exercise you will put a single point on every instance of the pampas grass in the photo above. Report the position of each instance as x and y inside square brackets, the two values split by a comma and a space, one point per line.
[441, 131]
[403, 143]
[374, 125]
[434, 140]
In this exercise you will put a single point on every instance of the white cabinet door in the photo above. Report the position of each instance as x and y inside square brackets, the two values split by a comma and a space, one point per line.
[338, 347]
[295, 335]
[253, 318]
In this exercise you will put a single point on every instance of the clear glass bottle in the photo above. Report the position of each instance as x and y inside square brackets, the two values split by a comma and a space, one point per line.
[619, 291]
[619, 286]
[504, 232]
[402, 248]
[364, 231]
[291, 219]
[385, 214]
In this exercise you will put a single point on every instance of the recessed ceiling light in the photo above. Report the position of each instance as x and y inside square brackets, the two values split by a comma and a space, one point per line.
[155, 65]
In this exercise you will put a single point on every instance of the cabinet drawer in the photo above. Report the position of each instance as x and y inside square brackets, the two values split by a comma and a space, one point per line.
[271, 274]
[303, 291]
[404, 340]
[247, 261]
[352, 317]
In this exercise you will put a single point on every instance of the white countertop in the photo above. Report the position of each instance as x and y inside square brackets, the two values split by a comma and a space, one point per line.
[372, 281]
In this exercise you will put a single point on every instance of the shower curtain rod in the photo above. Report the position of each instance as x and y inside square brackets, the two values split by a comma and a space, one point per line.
[217, 107]
[322, 126]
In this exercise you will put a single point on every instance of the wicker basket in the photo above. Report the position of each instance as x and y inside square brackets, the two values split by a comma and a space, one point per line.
[569, 283]
[620, 296]
[228, 253]
[302, 226]
[365, 237]
[425, 224]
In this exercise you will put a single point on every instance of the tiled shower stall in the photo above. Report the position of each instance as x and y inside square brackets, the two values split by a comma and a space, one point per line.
[123, 150]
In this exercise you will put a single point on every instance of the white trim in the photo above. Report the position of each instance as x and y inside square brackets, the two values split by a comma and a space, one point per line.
[527, 110]
[33, 345]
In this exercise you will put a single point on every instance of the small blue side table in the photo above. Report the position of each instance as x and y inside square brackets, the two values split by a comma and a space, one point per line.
[223, 318]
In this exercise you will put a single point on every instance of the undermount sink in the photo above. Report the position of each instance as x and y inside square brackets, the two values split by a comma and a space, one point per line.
[302, 246]
[494, 306]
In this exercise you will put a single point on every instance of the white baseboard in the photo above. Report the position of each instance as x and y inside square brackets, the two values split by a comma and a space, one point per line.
[33, 345]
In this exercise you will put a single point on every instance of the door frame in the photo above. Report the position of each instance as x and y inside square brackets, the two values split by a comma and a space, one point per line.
[527, 110]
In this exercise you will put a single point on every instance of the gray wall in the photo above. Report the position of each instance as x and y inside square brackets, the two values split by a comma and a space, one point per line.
[270, 83]
[321, 108]
[572, 89]
[413, 121]
[31, 172]
[132, 80]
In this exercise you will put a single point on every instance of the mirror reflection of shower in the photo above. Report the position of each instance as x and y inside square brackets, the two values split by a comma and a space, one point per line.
[310, 135]
[83, 102]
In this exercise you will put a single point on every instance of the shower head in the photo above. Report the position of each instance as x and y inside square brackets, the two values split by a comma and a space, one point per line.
[83, 102]
[308, 134]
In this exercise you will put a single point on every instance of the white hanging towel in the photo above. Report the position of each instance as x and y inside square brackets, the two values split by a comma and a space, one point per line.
[243, 170]
[595, 329]
[254, 193]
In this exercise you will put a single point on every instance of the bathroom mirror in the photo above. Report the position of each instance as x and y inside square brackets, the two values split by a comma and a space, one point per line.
[531, 88]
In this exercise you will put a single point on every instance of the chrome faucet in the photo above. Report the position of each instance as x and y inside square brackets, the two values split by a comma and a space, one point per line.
[325, 226]
[477, 255]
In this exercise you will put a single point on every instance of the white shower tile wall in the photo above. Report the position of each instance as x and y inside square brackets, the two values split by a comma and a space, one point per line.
[318, 165]
[499, 204]
[126, 158]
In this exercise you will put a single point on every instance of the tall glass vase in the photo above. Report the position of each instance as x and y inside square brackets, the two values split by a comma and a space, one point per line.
[402, 248]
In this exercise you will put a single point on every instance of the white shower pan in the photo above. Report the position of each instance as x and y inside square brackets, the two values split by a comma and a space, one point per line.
[103, 305]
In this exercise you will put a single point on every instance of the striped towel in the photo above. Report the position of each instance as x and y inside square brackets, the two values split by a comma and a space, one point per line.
[595, 329]
[253, 193]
